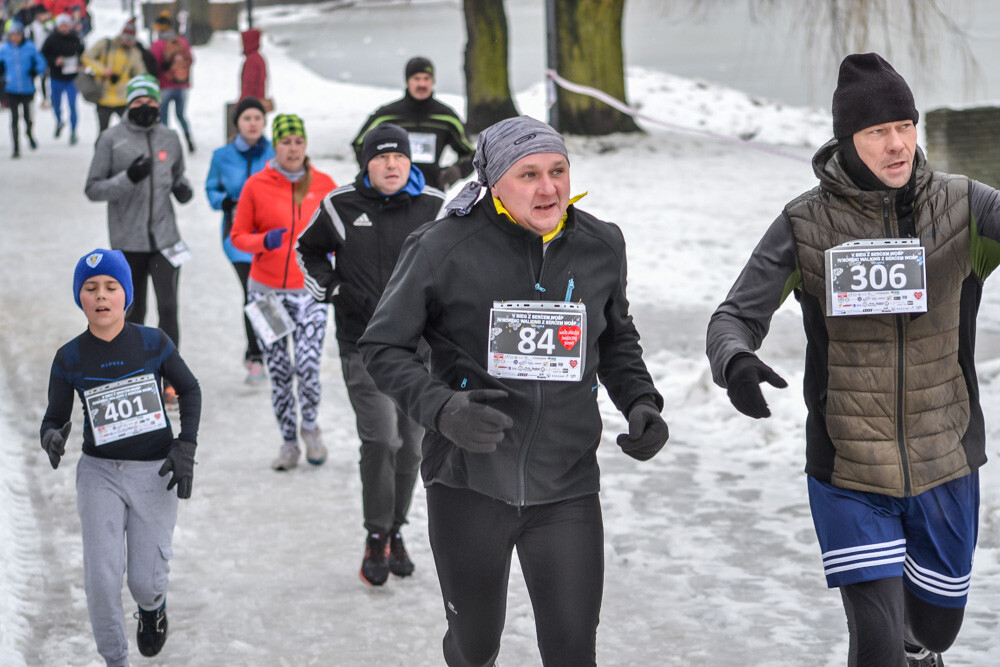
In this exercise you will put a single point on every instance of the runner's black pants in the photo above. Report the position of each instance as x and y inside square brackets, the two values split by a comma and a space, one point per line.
[560, 547]
[146, 265]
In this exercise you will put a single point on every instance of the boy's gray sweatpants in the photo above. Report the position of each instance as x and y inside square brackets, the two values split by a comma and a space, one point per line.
[128, 517]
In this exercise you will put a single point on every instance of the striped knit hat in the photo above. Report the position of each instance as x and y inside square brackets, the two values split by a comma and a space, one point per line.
[285, 124]
[143, 85]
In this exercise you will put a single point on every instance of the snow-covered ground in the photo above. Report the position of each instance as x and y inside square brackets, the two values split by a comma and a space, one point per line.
[711, 556]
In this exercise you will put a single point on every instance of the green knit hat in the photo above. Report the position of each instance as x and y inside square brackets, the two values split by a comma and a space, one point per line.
[143, 85]
[285, 124]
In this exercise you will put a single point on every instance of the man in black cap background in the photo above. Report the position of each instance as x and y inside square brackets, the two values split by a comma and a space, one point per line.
[364, 225]
[432, 125]
[521, 298]
[895, 433]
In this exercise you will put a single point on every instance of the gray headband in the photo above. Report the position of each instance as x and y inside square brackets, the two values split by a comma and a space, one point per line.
[500, 146]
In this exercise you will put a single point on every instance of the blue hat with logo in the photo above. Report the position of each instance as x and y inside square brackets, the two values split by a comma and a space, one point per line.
[102, 262]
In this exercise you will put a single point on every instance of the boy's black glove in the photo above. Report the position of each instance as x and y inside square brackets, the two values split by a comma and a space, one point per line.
[139, 169]
[182, 192]
[228, 204]
[471, 425]
[647, 432]
[180, 461]
[54, 443]
[743, 378]
[348, 299]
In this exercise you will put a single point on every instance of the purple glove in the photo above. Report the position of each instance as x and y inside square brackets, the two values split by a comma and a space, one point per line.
[272, 239]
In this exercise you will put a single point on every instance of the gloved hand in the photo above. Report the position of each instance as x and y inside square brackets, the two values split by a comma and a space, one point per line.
[743, 378]
[54, 443]
[449, 175]
[139, 169]
[272, 239]
[180, 461]
[471, 425]
[228, 204]
[182, 192]
[349, 299]
[114, 78]
[647, 432]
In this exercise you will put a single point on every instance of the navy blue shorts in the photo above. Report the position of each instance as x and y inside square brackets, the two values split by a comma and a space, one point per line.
[928, 539]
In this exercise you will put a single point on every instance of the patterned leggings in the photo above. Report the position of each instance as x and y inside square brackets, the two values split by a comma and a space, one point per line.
[310, 319]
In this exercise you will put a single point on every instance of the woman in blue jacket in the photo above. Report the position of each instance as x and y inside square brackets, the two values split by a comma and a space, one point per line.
[231, 166]
[20, 63]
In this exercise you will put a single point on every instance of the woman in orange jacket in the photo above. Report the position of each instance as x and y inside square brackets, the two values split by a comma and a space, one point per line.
[276, 205]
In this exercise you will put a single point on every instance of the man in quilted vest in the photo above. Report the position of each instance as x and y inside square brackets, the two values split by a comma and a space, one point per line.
[887, 260]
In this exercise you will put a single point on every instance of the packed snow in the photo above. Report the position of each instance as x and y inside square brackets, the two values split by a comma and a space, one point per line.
[711, 556]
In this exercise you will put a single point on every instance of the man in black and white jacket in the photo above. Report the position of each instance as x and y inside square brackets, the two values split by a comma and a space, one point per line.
[364, 225]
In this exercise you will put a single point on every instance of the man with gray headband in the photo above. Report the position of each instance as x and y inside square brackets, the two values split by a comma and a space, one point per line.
[521, 297]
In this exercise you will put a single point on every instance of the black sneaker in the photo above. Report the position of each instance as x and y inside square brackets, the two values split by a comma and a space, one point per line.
[375, 566]
[32, 142]
[399, 561]
[59, 129]
[152, 632]
[923, 658]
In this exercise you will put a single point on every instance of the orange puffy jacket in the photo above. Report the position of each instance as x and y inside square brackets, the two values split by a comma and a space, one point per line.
[270, 201]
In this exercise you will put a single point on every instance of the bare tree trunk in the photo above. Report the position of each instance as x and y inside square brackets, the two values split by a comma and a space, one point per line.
[589, 52]
[487, 89]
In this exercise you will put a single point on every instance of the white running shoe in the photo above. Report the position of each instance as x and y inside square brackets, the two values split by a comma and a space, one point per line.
[288, 457]
[315, 449]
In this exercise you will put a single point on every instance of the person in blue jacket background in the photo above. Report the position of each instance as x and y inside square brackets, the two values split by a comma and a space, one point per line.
[231, 166]
[20, 63]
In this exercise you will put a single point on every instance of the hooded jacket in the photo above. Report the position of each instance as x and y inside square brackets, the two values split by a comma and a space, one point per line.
[228, 172]
[253, 78]
[448, 276]
[270, 201]
[893, 400]
[20, 65]
[140, 215]
[365, 231]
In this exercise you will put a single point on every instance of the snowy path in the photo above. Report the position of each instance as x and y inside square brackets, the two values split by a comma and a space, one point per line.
[711, 558]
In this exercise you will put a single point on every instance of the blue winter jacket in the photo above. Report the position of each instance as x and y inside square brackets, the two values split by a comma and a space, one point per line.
[229, 170]
[20, 64]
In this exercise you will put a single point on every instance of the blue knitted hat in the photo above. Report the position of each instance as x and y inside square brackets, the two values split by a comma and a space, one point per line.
[101, 262]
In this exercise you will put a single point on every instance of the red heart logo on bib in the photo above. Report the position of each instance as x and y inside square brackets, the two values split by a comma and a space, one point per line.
[917, 295]
[569, 336]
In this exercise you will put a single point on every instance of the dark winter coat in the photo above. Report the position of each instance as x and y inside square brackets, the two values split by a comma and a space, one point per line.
[59, 45]
[893, 400]
[448, 276]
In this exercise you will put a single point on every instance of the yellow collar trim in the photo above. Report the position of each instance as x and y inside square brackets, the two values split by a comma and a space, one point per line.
[555, 232]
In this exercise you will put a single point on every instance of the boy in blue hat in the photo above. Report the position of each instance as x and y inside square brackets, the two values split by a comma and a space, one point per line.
[127, 510]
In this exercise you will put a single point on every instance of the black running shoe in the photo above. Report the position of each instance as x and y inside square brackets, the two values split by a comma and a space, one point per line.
[923, 658]
[375, 566]
[152, 632]
[399, 561]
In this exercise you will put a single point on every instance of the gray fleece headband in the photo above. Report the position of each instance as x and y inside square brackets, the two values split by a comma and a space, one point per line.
[500, 146]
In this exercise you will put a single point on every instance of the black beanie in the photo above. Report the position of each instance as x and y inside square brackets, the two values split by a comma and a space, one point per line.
[869, 92]
[248, 103]
[384, 138]
[419, 65]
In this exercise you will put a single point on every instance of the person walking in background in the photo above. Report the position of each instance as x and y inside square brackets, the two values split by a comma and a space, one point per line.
[364, 225]
[37, 31]
[510, 455]
[137, 166]
[432, 125]
[231, 166]
[81, 21]
[127, 509]
[895, 434]
[62, 51]
[173, 57]
[275, 206]
[253, 76]
[20, 63]
[114, 62]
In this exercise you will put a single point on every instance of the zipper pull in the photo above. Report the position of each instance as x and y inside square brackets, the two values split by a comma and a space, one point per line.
[539, 288]
[569, 287]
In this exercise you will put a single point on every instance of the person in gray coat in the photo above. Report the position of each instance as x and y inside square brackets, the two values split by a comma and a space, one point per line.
[137, 165]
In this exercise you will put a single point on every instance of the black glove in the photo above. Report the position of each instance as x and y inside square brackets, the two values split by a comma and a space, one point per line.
[449, 175]
[743, 378]
[139, 169]
[349, 299]
[54, 443]
[114, 79]
[180, 461]
[228, 204]
[471, 425]
[647, 432]
[182, 192]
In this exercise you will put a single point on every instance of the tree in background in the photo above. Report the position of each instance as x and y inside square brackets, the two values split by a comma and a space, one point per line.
[488, 98]
[589, 52]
